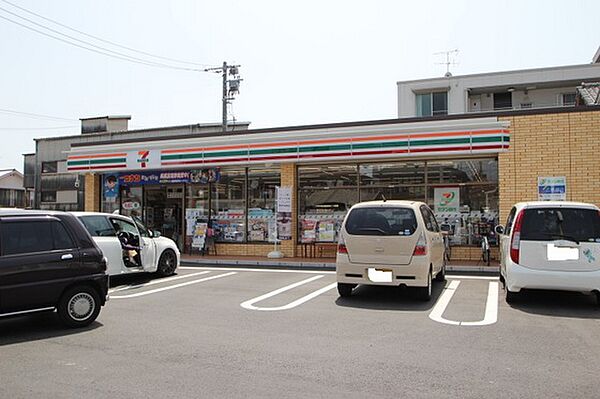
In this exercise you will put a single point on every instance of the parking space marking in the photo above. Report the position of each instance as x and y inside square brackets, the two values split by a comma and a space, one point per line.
[171, 287]
[491, 306]
[244, 269]
[250, 303]
[158, 281]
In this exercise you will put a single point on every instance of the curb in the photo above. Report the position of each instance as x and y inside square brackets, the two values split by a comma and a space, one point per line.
[316, 266]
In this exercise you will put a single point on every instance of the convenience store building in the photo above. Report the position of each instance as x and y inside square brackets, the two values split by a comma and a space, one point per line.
[469, 167]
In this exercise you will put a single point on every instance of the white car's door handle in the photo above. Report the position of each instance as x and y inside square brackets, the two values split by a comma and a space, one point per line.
[66, 257]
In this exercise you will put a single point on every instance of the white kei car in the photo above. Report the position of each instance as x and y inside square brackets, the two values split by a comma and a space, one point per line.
[550, 245]
[395, 243]
[129, 246]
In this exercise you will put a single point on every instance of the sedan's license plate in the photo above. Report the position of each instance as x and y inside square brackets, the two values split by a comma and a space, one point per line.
[380, 275]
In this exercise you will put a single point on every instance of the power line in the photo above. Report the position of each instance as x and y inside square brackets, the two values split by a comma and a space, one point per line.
[103, 51]
[104, 40]
[38, 128]
[33, 115]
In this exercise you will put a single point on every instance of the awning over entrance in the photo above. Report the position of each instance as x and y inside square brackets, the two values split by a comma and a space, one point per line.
[376, 141]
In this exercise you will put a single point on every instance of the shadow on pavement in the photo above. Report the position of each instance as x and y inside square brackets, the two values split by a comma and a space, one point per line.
[36, 327]
[133, 279]
[390, 298]
[557, 303]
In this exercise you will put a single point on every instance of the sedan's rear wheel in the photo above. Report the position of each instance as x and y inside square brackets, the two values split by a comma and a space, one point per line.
[167, 263]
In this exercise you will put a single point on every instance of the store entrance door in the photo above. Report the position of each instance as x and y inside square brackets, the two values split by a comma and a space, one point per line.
[163, 210]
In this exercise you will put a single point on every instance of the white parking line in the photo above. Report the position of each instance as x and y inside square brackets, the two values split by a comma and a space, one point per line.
[243, 269]
[250, 303]
[158, 281]
[491, 306]
[453, 277]
[171, 287]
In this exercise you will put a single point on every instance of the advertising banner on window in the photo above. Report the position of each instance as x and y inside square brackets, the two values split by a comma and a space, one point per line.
[110, 188]
[284, 199]
[201, 176]
[552, 188]
[446, 199]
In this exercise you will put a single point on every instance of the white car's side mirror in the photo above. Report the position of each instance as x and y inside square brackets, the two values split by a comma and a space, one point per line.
[499, 230]
[155, 233]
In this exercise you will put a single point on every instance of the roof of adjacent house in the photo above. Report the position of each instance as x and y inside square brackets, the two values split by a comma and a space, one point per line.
[6, 172]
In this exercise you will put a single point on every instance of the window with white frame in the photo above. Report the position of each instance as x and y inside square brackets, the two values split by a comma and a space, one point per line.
[433, 103]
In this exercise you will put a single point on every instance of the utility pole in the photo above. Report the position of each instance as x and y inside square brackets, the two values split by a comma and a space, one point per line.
[224, 97]
[231, 87]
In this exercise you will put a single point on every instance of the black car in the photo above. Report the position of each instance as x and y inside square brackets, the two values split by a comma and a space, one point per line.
[48, 261]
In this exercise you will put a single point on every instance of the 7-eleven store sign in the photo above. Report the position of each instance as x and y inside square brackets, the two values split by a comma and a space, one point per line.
[143, 159]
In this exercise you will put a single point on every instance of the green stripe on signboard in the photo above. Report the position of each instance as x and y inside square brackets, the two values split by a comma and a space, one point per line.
[96, 161]
[181, 156]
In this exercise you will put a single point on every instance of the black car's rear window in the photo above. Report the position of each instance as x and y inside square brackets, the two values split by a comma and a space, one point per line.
[549, 224]
[381, 221]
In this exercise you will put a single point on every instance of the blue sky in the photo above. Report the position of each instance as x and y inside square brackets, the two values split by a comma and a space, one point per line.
[302, 62]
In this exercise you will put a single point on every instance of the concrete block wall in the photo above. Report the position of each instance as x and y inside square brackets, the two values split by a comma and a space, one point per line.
[558, 144]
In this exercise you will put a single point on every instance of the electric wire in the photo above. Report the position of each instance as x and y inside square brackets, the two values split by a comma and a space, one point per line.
[38, 128]
[104, 40]
[103, 51]
[11, 112]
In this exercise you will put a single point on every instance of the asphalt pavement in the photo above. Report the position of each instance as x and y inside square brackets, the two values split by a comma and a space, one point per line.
[238, 333]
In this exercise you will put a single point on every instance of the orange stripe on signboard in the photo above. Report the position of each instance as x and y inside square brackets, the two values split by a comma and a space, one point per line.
[72, 157]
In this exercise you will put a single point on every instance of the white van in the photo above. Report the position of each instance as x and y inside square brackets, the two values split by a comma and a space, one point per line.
[550, 245]
[390, 243]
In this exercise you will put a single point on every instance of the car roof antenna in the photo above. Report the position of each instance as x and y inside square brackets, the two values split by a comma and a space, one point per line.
[383, 197]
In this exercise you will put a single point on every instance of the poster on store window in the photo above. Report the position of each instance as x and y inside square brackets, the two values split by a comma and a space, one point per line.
[284, 225]
[111, 188]
[309, 230]
[446, 199]
[327, 230]
[199, 236]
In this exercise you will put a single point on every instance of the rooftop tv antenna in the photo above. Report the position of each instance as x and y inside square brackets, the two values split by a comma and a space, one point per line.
[449, 61]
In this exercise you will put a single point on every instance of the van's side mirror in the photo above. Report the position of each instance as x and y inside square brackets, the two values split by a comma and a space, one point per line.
[155, 233]
[499, 230]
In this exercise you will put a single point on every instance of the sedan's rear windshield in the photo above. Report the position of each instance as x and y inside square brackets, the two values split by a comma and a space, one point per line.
[549, 224]
[381, 221]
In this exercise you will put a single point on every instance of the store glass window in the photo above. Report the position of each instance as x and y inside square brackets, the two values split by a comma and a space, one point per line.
[470, 210]
[405, 193]
[131, 201]
[228, 206]
[326, 193]
[196, 215]
[462, 171]
[262, 202]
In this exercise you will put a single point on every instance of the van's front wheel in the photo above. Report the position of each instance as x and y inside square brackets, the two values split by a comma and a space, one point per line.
[345, 290]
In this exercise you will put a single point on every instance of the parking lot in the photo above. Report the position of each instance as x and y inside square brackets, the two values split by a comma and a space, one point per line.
[224, 332]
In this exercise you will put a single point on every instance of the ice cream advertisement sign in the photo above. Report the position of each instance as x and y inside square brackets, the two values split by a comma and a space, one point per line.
[447, 199]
